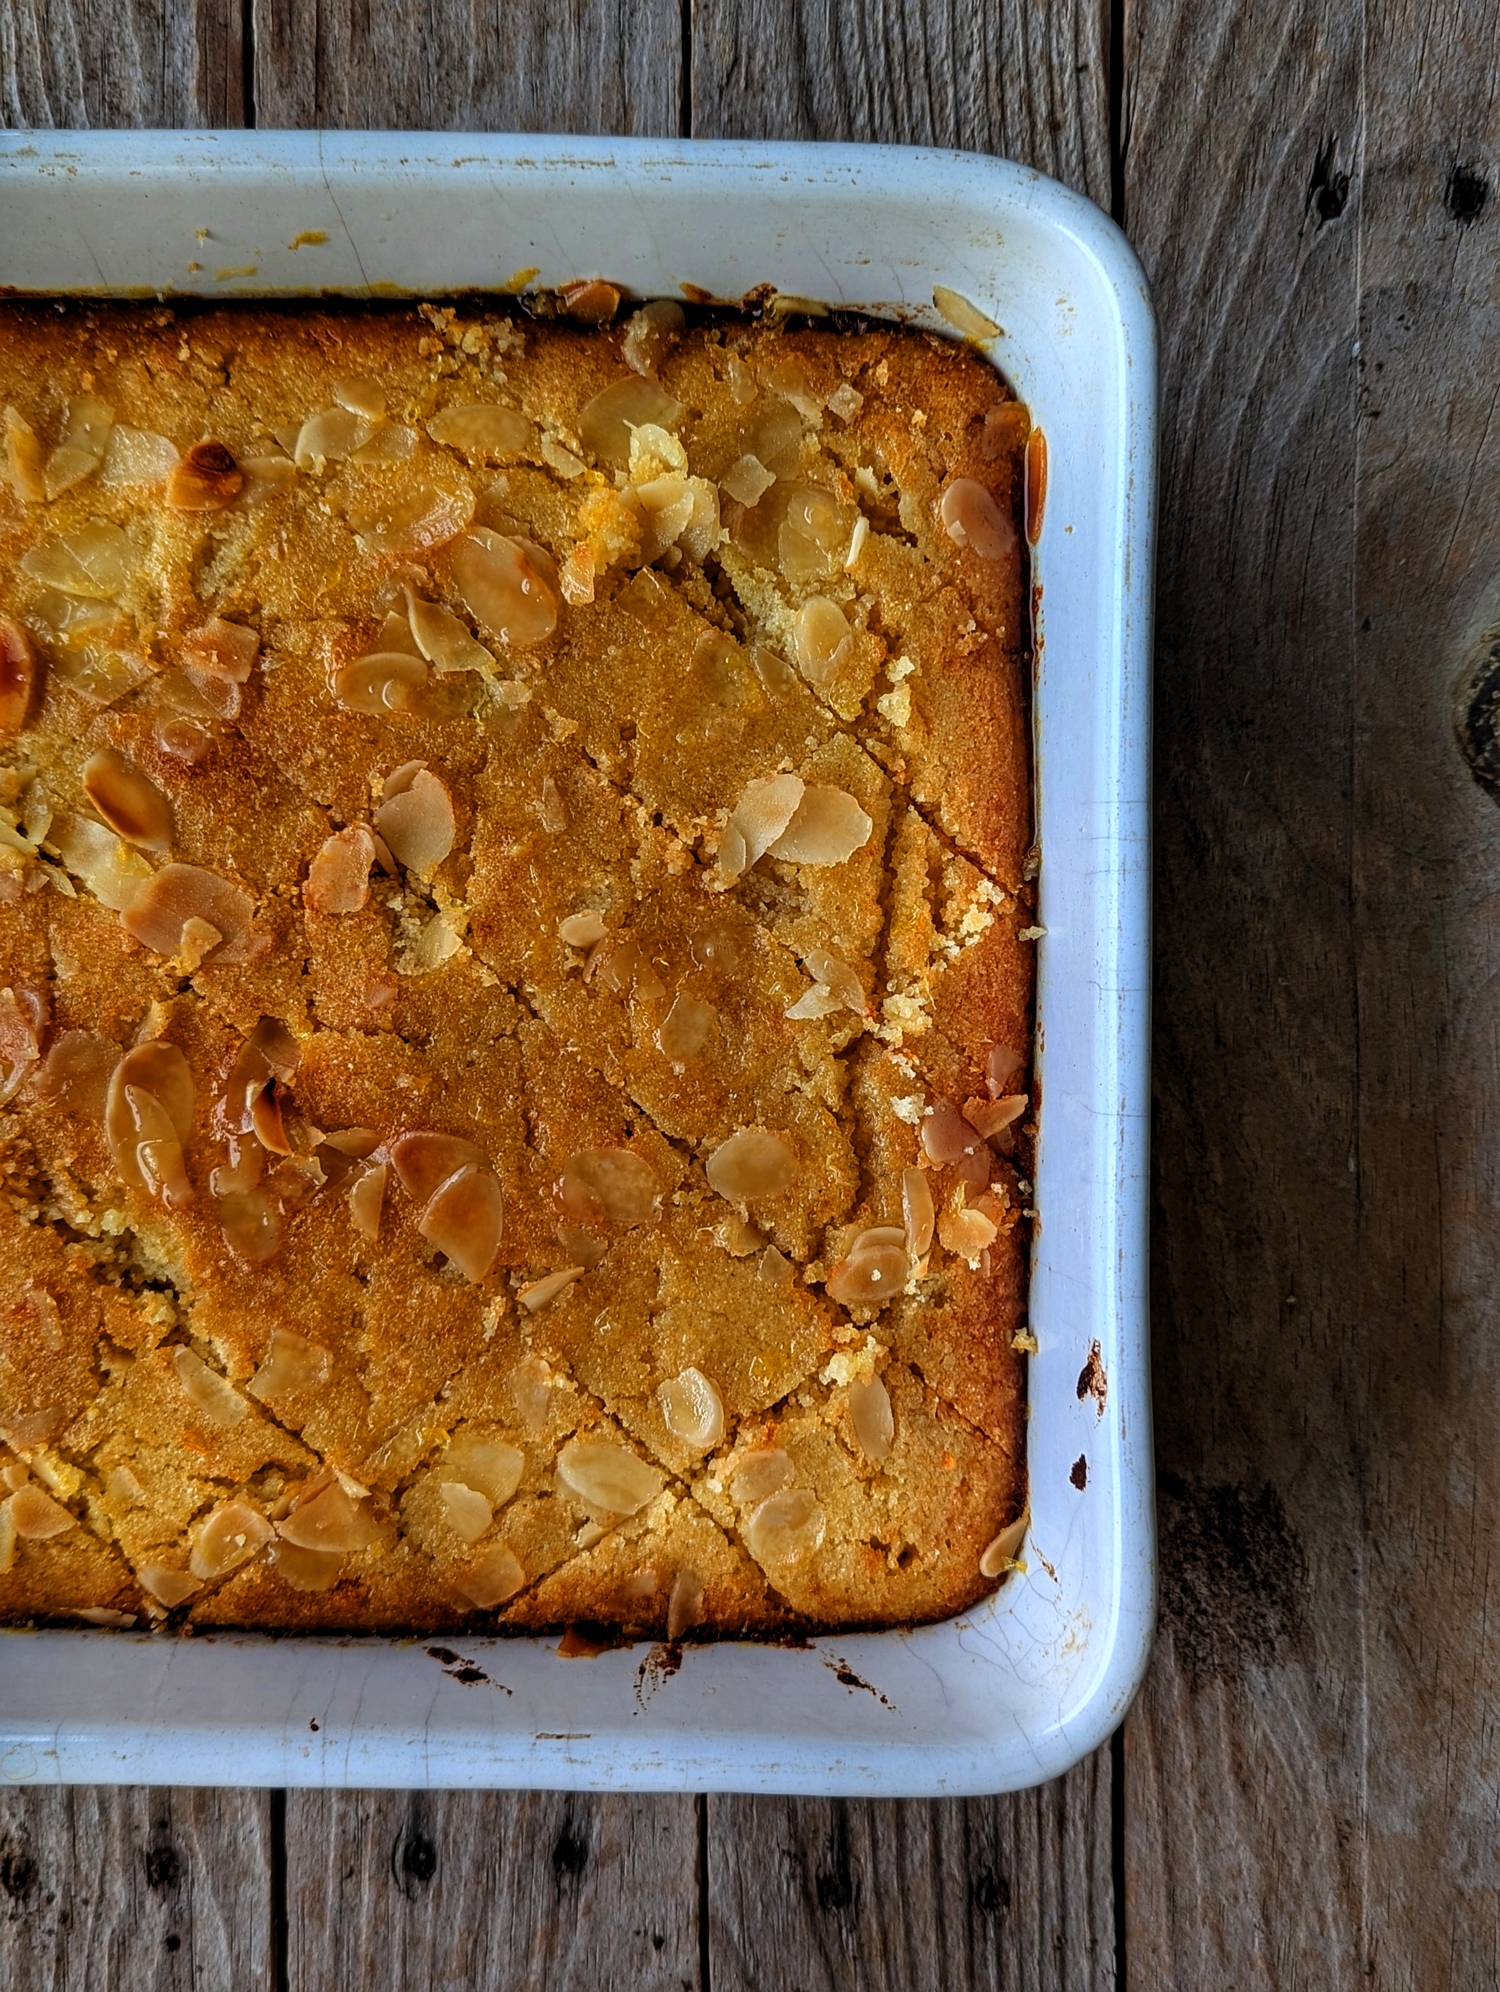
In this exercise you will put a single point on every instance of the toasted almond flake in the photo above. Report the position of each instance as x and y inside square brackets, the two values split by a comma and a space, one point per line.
[590, 300]
[972, 519]
[827, 829]
[293, 1363]
[561, 459]
[149, 1106]
[687, 1030]
[874, 1271]
[465, 1220]
[366, 1199]
[967, 1233]
[206, 479]
[786, 1528]
[608, 1476]
[251, 1226]
[113, 872]
[169, 1587]
[821, 640]
[946, 1136]
[537, 1294]
[496, 1577]
[23, 458]
[531, 1386]
[613, 1183]
[36, 1516]
[209, 1393]
[105, 1615]
[361, 395]
[870, 1415]
[136, 457]
[752, 1164]
[306, 1569]
[508, 585]
[747, 480]
[418, 823]
[176, 894]
[95, 562]
[266, 477]
[338, 879]
[581, 930]
[465, 1510]
[81, 449]
[19, 675]
[1001, 1067]
[330, 436]
[692, 1409]
[332, 1519]
[992, 1117]
[775, 1269]
[410, 524]
[490, 1465]
[916, 1204]
[845, 401]
[158, 1150]
[425, 1161]
[29, 1428]
[222, 649]
[838, 977]
[443, 639]
[1004, 1551]
[576, 575]
[754, 1476]
[606, 423]
[382, 682]
[246, 1166]
[963, 316]
[857, 540]
[685, 1607]
[231, 1536]
[651, 333]
[129, 801]
[763, 813]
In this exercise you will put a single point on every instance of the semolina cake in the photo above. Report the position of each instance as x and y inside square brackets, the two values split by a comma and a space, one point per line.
[515, 968]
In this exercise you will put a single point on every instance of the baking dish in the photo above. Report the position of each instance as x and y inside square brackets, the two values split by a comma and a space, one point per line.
[1002, 1696]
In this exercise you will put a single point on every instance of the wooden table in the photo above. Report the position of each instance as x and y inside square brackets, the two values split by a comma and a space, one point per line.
[1308, 1792]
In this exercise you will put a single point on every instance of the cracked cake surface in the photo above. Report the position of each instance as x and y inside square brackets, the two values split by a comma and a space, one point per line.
[515, 970]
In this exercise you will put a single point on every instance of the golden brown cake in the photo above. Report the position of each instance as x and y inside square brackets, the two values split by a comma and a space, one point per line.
[515, 970]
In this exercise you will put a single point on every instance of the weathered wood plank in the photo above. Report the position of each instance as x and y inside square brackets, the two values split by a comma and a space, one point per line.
[1002, 76]
[83, 63]
[448, 66]
[824, 1895]
[417, 1891]
[135, 1890]
[1311, 1775]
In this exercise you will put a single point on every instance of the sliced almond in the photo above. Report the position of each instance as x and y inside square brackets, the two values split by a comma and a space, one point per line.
[972, 519]
[651, 333]
[538, 1293]
[409, 524]
[206, 479]
[756, 1475]
[81, 449]
[685, 1607]
[465, 1220]
[991, 1117]
[384, 682]
[613, 1183]
[210, 1394]
[687, 1030]
[442, 638]
[338, 879]
[608, 1476]
[946, 1136]
[330, 436]
[137, 457]
[221, 649]
[35, 1516]
[307, 1569]
[875, 1270]
[361, 395]
[828, 828]
[19, 675]
[916, 1204]
[605, 423]
[129, 801]
[581, 930]
[1004, 1551]
[495, 1577]
[508, 585]
[161, 1072]
[169, 1587]
[692, 1409]
[870, 1415]
[176, 894]
[752, 1164]
[481, 429]
[23, 458]
[465, 1510]
[366, 1198]
[293, 1364]
[489, 1464]
[96, 562]
[418, 823]
[590, 300]
[1001, 1067]
[763, 813]
[231, 1536]
[331, 1520]
[251, 1225]
[786, 1528]
[425, 1161]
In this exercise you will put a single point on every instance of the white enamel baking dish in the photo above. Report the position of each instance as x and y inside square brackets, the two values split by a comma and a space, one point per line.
[1019, 1689]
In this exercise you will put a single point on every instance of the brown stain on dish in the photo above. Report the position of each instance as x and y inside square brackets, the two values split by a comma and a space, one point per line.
[1078, 1473]
[1036, 485]
[843, 1672]
[660, 1664]
[1092, 1381]
[463, 1671]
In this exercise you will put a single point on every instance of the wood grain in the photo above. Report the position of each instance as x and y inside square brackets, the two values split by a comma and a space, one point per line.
[828, 1895]
[449, 65]
[1309, 1778]
[88, 63]
[426, 1891]
[109, 1890]
[1029, 82]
